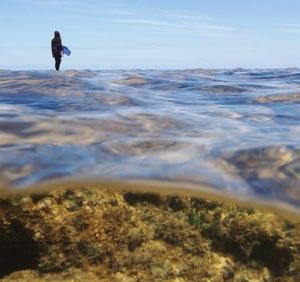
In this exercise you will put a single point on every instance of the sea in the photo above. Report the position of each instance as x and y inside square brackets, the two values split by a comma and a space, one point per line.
[234, 131]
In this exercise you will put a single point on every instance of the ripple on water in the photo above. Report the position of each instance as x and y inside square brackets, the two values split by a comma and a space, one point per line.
[55, 84]
[132, 81]
[279, 98]
[155, 123]
[224, 89]
[145, 147]
[167, 125]
[272, 171]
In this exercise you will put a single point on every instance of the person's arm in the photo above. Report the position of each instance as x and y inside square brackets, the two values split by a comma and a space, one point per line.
[52, 48]
[61, 47]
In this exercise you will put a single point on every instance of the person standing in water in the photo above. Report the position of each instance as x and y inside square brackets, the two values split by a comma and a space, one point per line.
[57, 48]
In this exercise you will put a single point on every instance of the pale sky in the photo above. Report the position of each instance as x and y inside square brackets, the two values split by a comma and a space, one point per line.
[125, 34]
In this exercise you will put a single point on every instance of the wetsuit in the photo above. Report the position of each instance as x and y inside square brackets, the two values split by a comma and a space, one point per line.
[57, 48]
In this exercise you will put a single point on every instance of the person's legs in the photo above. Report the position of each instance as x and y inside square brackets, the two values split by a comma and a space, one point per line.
[57, 62]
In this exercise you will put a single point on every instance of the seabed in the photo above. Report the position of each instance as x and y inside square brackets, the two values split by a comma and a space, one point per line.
[96, 233]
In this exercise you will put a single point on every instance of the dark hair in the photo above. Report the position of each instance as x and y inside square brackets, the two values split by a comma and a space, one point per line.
[56, 34]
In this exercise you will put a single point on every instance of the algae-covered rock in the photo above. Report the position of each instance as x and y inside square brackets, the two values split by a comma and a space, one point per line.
[101, 235]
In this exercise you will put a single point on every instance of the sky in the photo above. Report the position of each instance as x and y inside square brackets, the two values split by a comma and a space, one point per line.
[151, 34]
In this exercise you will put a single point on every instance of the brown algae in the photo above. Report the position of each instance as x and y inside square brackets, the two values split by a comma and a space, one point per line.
[102, 234]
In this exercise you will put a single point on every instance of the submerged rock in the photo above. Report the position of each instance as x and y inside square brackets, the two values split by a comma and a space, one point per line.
[272, 171]
[99, 235]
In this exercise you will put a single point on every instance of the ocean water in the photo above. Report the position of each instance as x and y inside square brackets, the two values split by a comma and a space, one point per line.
[237, 130]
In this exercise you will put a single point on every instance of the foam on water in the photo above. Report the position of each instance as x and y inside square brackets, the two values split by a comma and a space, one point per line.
[237, 130]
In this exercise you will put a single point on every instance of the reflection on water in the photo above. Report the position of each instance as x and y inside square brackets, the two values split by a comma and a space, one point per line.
[238, 130]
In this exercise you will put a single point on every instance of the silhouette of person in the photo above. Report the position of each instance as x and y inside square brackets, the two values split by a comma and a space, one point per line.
[56, 47]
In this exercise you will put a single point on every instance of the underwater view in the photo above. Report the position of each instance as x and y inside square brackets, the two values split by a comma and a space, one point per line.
[150, 175]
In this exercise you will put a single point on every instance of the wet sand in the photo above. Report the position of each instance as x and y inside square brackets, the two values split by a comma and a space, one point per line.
[102, 233]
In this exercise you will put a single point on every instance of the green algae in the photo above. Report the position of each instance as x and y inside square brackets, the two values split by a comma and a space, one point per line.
[109, 235]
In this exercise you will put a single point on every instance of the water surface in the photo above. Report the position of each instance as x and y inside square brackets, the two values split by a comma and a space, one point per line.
[236, 130]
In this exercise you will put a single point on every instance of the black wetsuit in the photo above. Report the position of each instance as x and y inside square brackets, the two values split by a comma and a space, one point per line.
[57, 48]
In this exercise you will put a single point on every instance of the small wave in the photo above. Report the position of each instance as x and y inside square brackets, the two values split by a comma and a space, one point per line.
[223, 89]
[279, 98]
[272, 171]
[145, 147]
[275, 75]
[132, 81]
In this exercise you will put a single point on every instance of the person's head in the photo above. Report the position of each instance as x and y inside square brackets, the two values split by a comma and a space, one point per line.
[56, 34]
